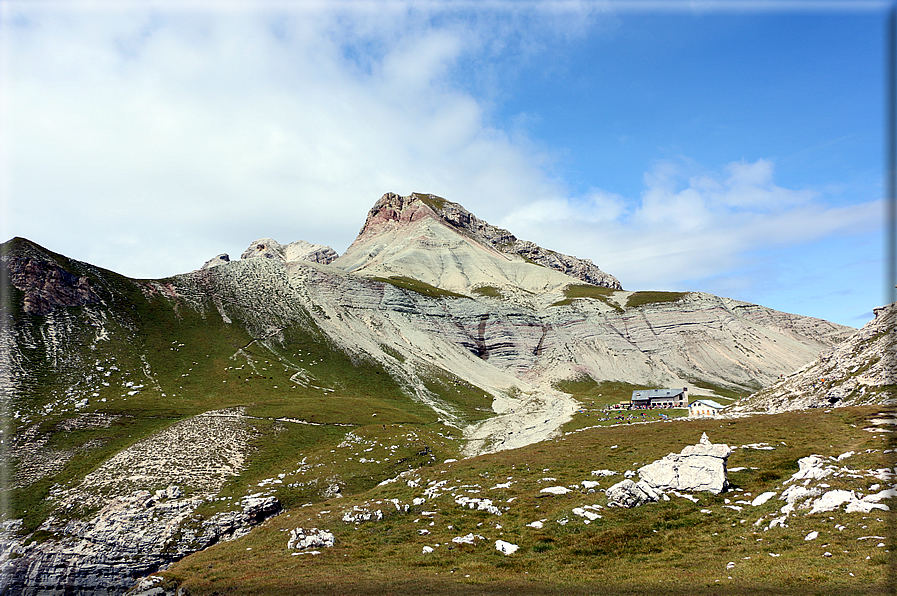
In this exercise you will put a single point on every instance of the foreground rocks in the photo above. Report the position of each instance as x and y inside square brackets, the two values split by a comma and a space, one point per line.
[700, 467]
[308, 540]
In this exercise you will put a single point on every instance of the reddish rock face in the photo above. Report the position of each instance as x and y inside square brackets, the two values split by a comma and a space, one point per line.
[393, 208]
[48, 286]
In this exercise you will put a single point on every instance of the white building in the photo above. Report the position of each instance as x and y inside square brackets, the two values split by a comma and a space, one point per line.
[704, 407]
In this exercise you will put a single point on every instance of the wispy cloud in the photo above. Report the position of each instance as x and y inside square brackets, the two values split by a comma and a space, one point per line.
[208, 129]
[691, 224]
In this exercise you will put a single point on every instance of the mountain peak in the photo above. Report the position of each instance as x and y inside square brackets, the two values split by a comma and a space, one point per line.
[395, 218]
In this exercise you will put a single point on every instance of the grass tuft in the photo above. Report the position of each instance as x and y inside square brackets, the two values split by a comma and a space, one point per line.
[579, 291]
[643, 298]
[420, 287]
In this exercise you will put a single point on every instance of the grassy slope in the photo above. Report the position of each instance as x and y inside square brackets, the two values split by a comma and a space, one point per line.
[577, 291]
[666, 547]
[595, 396]
[199, 363]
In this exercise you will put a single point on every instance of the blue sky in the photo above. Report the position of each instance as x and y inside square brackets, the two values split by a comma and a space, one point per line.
[728, 147]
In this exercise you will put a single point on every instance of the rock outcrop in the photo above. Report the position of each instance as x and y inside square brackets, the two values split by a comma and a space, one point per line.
[301, 539]
[860, 370]
[46, 285]
[700, 467]
[215, 261]
[295, 251]
[136, 530]
[629, 494]
[696, 468]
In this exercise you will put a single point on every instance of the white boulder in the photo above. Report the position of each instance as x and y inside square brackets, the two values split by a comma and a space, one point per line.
[627, 493]
[761, 499]
[700, 467]
[555, 490]
[301, 539]
[505, 548]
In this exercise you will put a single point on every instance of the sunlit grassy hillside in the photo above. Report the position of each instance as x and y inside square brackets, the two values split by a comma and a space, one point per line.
[711, 544]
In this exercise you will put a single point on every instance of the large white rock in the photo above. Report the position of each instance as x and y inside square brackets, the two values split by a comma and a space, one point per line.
[700, 467]
[301, 539]
[555, 490]
[505, 548]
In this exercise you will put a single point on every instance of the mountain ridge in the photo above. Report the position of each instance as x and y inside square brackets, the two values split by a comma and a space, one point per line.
[860, 370]
[287, 359]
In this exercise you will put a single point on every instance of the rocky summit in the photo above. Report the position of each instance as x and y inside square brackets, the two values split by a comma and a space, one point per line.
[146, 421]
[439, 242]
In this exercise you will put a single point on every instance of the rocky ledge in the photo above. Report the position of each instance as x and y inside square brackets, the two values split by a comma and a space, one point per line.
[135, 529]
[46, 285]
[268, 248]
[860, 370]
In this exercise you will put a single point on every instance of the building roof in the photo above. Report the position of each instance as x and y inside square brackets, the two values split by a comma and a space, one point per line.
[706, 402]
[654, 393]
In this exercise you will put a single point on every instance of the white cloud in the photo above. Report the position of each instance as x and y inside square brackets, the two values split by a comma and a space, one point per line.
[148, 138]
[691, 226]
[200, 131]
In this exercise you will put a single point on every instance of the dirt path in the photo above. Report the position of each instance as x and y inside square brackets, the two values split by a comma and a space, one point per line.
[520, 422]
